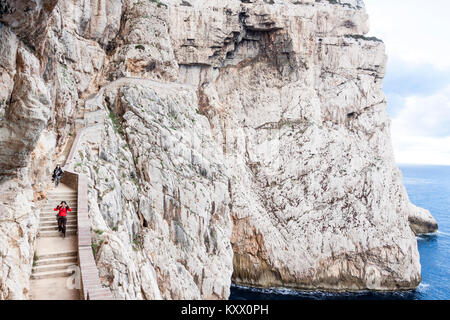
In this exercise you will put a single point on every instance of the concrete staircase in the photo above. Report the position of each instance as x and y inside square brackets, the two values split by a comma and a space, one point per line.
[54, 265]
[49, 223]
[56, 261]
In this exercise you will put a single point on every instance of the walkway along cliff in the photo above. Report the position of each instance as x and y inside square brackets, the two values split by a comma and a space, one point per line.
[225, 141]
[65, 269]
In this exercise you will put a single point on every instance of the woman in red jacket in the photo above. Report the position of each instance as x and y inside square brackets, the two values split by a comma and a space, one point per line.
[63, 208]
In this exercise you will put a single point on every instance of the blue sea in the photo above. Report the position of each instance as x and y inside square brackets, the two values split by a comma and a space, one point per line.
[428, 187]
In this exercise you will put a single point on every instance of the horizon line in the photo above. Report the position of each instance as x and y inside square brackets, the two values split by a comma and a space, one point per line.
[423, 164]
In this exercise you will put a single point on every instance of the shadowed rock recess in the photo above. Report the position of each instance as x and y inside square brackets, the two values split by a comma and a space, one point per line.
[225, 141]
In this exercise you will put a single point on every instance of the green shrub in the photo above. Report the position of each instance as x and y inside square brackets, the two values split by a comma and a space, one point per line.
[116, 123]
[159, 3]
[95, 247]
[35, 259]
[361, 37]
[138, 243]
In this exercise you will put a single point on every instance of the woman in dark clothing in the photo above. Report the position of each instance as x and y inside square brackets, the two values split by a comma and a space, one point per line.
[57, 175]
[62, 209]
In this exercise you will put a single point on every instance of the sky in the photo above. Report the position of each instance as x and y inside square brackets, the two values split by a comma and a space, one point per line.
[417, 83]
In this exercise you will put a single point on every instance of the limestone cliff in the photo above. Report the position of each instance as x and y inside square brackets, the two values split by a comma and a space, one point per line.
[243, 141]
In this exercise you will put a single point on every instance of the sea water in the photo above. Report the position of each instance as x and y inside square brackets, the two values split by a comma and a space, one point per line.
[428, 187]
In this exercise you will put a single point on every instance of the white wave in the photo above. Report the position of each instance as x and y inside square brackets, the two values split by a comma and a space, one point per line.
[428, 236]
[424, 286]
[281, 290]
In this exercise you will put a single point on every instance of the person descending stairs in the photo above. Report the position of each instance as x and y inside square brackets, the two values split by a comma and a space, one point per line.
[55, 269]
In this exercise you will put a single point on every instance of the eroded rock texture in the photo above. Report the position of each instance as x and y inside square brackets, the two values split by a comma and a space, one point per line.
[18, 227]
[242, 141]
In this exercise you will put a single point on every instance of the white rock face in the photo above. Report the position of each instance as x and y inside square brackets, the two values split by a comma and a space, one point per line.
[19, 221]
[143, 48]
[298, 107]
[26, 116]
[159, 196]
[28, 19]
[228, 140]
[8, 54]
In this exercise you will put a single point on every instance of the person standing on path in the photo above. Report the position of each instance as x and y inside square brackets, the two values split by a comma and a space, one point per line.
[57, 175]
[62, 209]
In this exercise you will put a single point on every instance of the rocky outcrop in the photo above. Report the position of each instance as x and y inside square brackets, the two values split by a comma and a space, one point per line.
[421, 221]
[26, 115]
[28, 19]
[143, 47]
[241, 141]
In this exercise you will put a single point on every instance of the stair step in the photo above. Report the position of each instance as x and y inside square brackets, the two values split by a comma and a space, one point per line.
[63, 196]
[53, 205]
[74, 210]
[52, 234]
[53, 216]
[53, 267]
[56, 260]
[53, 223]
[58, 201]
[53, 228]
[49, 213]
[54, 213]
[51, 209]
[47, 210]
[58, 255]
[52, 274]
[53, 219]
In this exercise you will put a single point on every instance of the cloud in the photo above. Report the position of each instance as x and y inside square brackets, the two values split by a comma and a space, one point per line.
[417, 82]
[422, 150]
[415, 31]
[427, 116]
[421, 131]
[405, 78]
